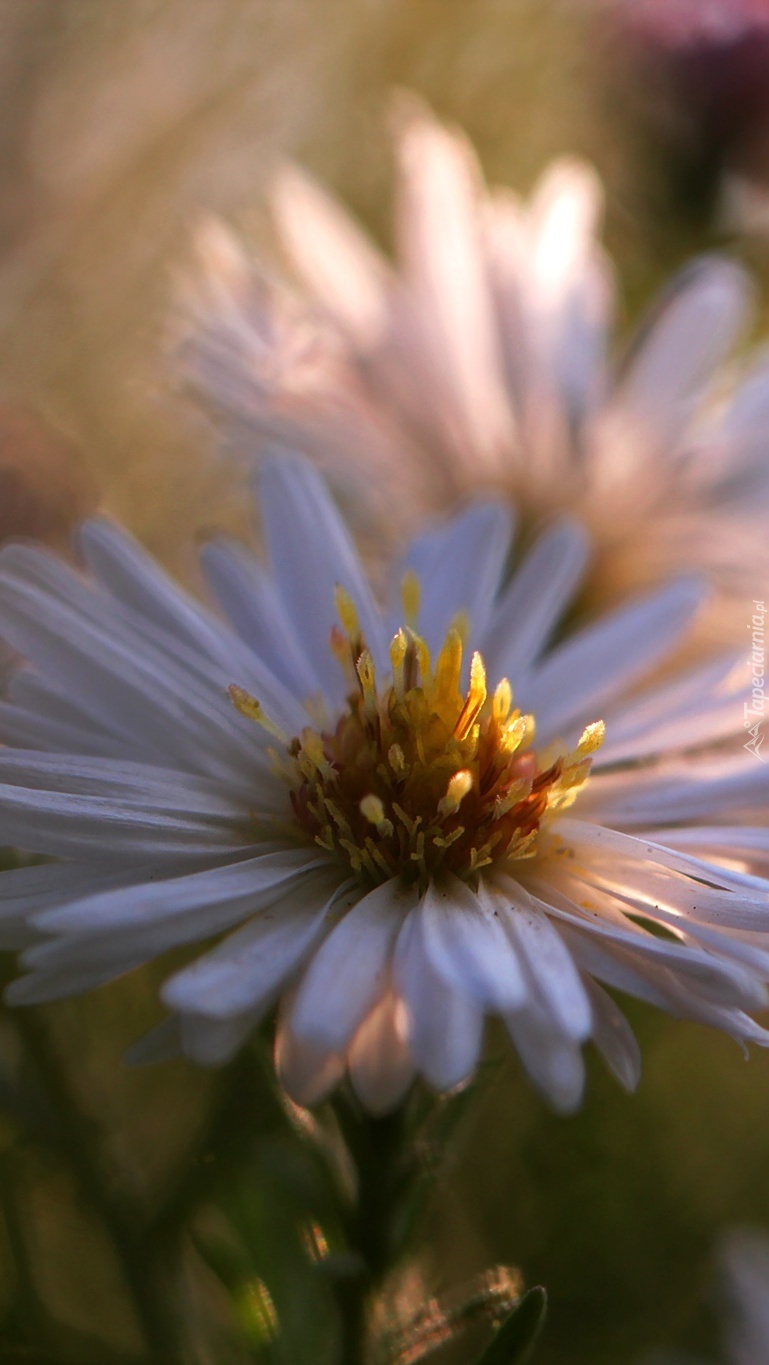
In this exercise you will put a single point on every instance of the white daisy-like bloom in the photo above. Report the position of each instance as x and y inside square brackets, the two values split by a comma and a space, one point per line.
[393, 820]
[483, 360]
[743, 1263]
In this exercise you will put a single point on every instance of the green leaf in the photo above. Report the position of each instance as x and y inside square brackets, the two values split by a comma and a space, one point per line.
[517, 1337]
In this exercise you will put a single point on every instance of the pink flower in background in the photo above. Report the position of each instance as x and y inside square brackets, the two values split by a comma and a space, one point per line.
[483, 359]
[694, 75]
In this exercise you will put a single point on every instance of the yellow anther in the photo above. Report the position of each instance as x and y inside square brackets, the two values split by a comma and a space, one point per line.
[461, 624]
[526, 845]
[339, 645]
[398, 647]
[372, 809]
[592, 738]
[446, 841]
[367, 677]
[312, 746]
[339, 818]
[574, 775]
[475, 699]
[517, 732]
[347, 613]
[396, 758]
[416, 664]
[502, 701]
[458, 788]
[411, 597]
[516, 793]
[417, 774]
[478, 678]
[405, 818]
[252, 709]
[448, 667]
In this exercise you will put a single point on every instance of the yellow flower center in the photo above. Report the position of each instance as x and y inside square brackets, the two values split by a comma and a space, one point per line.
[417, 775]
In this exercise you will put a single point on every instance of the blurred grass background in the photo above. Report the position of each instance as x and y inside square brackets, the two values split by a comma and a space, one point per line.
[122, 124]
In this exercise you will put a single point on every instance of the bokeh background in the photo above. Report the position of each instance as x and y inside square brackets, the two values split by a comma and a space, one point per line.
[125, 123]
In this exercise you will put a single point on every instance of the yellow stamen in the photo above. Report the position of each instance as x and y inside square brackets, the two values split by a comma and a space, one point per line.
[416, 662]
[367, 676]
[372, 809]
[416, 776]
[252, 709]
[411, 597]
[312, 745]
[592, 738]
[459, 786]
[517, 732]
[396, 758]
[515, 794]
[347, 613]
[475, 699]
[398, 648]
[502, 701]
[461, 624]
[448, 668]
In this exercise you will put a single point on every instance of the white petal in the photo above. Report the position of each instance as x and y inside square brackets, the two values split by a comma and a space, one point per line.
[697, 322]
[155, 693]
[445, 1027]
[614, 1038]
[597, 663]
[532, 605]
[468, 947]
[658, 986]
[459, 566]
[246, 972]
[187, 912]
[212, 1042]
[335, 257]
[307, 1073]
[548, 960]
[646, 797]
[713, 977]
[381, 1069]
[64, 824]
[440, 244]
[208, 897]
[311, 555]
[347, 974]
[249, 599]
[553, 1062]
[135, 579]
[162, 1044]
[700, 708]
[29, 891]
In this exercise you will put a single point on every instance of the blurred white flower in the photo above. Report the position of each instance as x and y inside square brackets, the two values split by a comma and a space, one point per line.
[480, 362]
[368, 818]
[745, 1263]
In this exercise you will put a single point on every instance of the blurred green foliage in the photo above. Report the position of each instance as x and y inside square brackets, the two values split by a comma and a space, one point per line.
[170, 1204]
[203, 1191]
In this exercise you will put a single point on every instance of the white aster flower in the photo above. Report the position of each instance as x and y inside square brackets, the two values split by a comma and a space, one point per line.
[745, 1266]
[384, 815]
[482, 361]
[743, 1263]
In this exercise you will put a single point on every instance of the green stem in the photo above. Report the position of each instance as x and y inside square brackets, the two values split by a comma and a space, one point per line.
[376, 1146]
